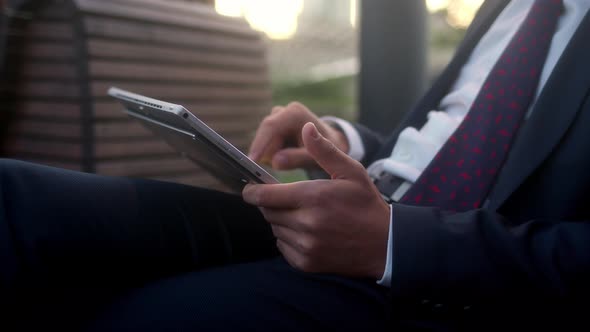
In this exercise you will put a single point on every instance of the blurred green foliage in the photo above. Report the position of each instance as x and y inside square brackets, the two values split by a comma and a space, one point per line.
[335, 97]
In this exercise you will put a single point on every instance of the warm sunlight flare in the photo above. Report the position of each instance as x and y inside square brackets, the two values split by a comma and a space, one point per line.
[353, 12]
[276, 18]
[229, 7]
[436, 5]
[460, 13]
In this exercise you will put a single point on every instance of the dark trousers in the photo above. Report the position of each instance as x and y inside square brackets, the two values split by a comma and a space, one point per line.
[87, 252]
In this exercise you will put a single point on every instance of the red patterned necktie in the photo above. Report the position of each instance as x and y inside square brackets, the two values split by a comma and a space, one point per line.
[463, 171]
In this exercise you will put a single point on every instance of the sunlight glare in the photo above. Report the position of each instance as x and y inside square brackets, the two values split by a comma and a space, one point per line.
[462, 12]
[277, 18]
[436, 5]
[353, 12]
[231, 8]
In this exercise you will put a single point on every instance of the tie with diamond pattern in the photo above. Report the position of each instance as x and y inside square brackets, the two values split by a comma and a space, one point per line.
[462, 172]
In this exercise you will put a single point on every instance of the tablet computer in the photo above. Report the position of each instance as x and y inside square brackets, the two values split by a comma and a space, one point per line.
[193, 139]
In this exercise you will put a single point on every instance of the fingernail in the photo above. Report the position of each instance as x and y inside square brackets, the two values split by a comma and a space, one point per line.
[253, 155]
[280, 160]
[314, 132]
[247, 191]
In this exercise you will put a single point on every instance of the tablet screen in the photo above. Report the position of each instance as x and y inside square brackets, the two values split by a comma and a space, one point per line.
[172, 123]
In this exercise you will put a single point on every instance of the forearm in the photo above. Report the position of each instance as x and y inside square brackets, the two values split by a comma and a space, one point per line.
[474, 256]
[372, 143]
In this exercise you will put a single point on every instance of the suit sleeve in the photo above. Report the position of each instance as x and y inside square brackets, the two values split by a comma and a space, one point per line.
[477, 256]
[372, 142]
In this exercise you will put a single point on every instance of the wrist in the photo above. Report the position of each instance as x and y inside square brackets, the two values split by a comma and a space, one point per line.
[382, 244]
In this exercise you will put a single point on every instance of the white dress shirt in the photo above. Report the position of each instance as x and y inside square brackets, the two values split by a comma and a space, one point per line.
[415, 148]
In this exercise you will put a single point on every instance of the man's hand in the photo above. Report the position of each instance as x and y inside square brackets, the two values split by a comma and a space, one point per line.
[327, 226]
[278, 138]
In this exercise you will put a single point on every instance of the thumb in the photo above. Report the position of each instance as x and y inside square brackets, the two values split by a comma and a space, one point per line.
[331, 159]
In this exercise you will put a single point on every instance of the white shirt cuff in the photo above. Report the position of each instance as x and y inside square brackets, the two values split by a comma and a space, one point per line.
[386, 279]
[355, 143]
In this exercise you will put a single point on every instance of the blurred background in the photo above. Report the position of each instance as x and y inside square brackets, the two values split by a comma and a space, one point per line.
[315, 49]
[362, 60]
[314, 44]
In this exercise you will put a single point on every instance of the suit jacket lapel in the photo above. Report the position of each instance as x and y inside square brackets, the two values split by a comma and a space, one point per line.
[486, 16]
[553, 113]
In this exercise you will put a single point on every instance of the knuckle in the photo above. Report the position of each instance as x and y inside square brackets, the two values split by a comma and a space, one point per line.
[314, 197]
[295, 105]
[269, 216]
[305, 264]
[313, 223]
[276, 109]
[296, 108]
[268, 121]
[309, 246]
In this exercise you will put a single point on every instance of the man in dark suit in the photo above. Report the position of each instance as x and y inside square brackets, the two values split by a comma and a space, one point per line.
[487, 218]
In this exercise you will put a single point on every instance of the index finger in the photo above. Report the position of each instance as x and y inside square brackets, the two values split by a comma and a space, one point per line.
[267, 139]
[266, 142]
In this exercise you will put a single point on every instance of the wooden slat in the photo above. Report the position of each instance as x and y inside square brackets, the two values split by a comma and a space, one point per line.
[52, 110]
[43, 50]
[50, 30]
[55, 71]
[44, 148]
[173, 92]
[143, 167]
[100, 69]
[55, 89]
[128, 149]
[74, 166]
[161, 14]
[117, 29]
[47, 129]
[55, 10]
[145, 52]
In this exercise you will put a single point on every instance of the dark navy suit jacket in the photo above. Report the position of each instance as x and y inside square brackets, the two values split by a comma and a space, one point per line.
[530, 246]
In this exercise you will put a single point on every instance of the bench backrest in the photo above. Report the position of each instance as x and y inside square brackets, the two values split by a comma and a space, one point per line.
[64, 55]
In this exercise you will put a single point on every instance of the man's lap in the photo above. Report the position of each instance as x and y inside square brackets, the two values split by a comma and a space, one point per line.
[168, 255]
[261, 296]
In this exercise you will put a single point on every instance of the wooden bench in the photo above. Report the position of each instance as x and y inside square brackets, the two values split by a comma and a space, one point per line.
[62, 56]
